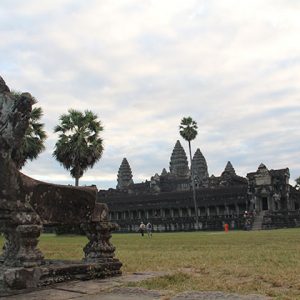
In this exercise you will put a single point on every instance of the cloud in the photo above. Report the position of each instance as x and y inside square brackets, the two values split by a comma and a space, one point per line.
[143, 65]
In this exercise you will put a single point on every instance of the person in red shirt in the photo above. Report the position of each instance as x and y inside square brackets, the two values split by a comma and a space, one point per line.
[226, 227]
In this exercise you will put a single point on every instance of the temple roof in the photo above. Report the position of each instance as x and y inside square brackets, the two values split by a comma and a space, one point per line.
[164, 172]
[124, 175]
[262, 166]
[178, 162]
[229, 169]
[199, 165]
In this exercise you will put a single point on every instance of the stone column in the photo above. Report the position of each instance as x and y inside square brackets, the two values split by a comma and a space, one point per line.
[180, 212]
[226, 210]
[258, 207]
[237, 210]
[271, 203]
[171, 212]
[207, 211]
[132, 215]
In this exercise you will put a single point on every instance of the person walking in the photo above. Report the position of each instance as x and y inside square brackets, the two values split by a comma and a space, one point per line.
[149, 229]
[142, 228]
[226, 227]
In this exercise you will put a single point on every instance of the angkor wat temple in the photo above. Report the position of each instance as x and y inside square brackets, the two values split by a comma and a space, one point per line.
[166, 200]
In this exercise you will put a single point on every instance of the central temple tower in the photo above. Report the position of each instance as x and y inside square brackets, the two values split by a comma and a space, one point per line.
[199, 167]
[178, 162]
[124, 175]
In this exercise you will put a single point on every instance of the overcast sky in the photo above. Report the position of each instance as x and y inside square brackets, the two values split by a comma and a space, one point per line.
[142, 65]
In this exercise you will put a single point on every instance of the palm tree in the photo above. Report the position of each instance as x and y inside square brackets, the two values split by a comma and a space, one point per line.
[34, 139]
[79, 145]
[188, 130]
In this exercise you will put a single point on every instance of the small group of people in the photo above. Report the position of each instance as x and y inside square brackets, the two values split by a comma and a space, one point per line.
[248, 217]
[147, 227]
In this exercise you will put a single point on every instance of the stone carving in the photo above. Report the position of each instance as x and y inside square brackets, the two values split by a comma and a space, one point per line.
[178, 162]
[26, 204]
[19, 223]
[124, 175]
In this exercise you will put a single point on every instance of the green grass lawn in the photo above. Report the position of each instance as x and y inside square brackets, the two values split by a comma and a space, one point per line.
[262, 262]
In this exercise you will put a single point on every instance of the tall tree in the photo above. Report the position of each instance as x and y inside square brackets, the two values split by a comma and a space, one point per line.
[79, 146]
[34, 139]
[188, 130]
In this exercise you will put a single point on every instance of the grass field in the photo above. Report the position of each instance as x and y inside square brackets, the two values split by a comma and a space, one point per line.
[262, 262]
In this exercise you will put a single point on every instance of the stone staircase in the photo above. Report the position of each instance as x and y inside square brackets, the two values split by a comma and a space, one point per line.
[258, 220]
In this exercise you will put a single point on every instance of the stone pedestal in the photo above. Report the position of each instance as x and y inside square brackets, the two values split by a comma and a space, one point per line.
[10, 248]
[99, 247]
[20, 248]
[28, 254]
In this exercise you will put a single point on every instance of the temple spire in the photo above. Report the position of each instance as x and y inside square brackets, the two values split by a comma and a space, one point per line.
[124, 175]
[178, 162]
[262, 167]
[229, 169]
[164, 172]
[199, 166]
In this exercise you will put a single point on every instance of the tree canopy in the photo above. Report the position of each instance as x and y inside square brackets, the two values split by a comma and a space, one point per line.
[34, 139]
[79, 146]
[188, 129]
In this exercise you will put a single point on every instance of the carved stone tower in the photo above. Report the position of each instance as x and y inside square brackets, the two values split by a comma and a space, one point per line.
[178, 162]
[124, 175]
[164, 172]
[199, 166]
[229, 169]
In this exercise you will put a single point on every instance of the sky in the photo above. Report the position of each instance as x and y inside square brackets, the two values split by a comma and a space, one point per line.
[141, 66]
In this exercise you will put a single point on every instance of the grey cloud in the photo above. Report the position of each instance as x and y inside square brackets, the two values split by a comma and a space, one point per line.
[143, 66]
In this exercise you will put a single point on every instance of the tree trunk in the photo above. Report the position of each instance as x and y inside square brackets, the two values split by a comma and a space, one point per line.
[76, 181]
[194, 189]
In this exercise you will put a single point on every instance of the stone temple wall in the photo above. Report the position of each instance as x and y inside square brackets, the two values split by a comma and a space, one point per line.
[174, 211]
[166, 201]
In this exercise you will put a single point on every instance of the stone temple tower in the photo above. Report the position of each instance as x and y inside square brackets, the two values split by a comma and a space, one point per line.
[199, 166]
[229, 169]
[124, 175]
[178, 162]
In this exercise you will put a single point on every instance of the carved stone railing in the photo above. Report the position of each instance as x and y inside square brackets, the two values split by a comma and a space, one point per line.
[26, 204]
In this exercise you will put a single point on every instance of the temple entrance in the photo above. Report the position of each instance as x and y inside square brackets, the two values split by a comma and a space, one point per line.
[264, 202]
